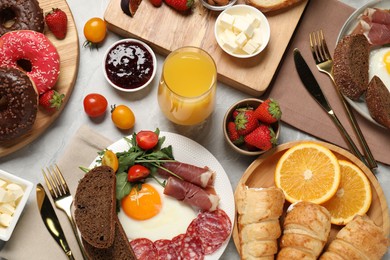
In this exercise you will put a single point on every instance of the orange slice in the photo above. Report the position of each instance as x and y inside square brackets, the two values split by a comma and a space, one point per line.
[308, 171]
[352, 197]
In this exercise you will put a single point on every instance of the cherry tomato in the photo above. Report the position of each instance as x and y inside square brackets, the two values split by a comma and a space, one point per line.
[146, 139]
[95, 30]
[109, 159]
[137, 172]
[95, 105]
[123, 117]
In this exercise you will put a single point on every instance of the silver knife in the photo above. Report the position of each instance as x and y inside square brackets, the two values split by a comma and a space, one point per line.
[314, 89]
[50, 220]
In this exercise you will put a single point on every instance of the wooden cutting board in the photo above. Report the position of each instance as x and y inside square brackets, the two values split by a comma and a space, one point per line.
[166, 30]
[68, 50]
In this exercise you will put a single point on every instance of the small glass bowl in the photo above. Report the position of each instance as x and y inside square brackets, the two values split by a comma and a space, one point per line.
[217, 7]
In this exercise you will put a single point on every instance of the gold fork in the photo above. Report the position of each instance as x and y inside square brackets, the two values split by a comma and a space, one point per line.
[324, 64]
[62, 198]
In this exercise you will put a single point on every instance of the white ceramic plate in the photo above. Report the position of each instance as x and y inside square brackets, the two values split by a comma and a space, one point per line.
[360, 106]
[188, 151]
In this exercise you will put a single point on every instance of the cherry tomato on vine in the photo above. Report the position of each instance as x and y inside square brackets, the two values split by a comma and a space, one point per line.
[123, 117]
[137, 172]
[109, 159]
[94, 31]
[95, 105]
[146, 139]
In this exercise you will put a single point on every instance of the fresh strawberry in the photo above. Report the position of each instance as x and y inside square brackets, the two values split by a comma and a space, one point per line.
[180, 5]
[269, 111]
[263, 137]
[233, 135]
[240, 109]
[246, 122]
[57, 21]
[51, 100]
[156, 3]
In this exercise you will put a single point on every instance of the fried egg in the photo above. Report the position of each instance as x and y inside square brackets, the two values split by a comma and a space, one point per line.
[148, 213]
[380, 65]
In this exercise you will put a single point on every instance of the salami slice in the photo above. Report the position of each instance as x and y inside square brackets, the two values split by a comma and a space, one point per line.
[177, 243]
[144, 248]
[192, 248]
[165, 249]
[213, 228]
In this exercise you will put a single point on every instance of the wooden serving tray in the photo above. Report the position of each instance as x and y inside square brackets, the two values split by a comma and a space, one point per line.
[261, 174]
[68, 50]
[166, 30]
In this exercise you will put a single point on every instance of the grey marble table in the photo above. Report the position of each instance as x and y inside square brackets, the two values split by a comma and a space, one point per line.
[50, 146]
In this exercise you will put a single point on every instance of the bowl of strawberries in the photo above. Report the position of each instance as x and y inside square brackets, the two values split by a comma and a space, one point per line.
[252, 126]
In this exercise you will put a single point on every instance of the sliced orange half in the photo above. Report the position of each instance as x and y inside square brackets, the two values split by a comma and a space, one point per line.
[308, 171]
[353, 196]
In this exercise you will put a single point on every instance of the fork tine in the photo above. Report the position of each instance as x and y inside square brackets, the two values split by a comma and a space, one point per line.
[325, 47]
[61, 177]
[312, 47]
[57, 181]
[49, 184]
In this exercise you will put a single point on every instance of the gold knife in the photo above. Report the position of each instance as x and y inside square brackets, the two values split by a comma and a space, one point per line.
[50, 220]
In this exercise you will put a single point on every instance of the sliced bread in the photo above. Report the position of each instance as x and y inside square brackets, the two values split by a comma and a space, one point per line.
[271, 5]
[95, 207]
[350, 69]
[120, 249]
[378, 101]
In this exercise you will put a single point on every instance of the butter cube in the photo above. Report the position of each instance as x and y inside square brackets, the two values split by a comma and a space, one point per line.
[226, 21]
[2, 183]
[16, 190]
[257, 37]
[240, 39]
[3, 195]
[240, 24]
[229, 41]
[5, 219]
[251, 46]
[253, 20]
[230, 46]
[7, 209]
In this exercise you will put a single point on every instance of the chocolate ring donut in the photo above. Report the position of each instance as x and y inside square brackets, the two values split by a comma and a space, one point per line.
[18, 103]
[20, 15]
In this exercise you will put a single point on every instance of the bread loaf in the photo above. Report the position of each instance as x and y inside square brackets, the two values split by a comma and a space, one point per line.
[359, 239]
[350, 68]
[95, 207]
[306, 229]
[378, 101]
[271, 5]
[258, 221]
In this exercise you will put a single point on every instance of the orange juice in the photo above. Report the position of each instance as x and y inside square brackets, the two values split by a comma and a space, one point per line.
[186, 93]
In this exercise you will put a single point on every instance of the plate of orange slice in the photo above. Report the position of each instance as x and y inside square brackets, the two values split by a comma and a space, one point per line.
[339, 176]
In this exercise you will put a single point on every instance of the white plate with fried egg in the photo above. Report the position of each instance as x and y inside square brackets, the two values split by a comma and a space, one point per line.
[175, 216]
[378, 56]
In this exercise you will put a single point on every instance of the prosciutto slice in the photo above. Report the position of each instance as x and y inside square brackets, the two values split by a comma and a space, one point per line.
[374, 23]
[202, 177]
[191, 194]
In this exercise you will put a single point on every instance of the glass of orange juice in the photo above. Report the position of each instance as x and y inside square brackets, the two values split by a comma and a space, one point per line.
[186, 92]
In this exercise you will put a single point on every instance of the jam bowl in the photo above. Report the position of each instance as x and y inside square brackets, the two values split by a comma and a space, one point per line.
[129, 65]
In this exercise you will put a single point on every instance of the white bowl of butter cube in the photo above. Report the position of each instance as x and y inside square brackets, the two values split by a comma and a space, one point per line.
[242, 31]
[14, 193]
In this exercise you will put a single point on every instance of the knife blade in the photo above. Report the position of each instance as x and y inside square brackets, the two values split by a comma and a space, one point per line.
[312, 86]
[50, 220]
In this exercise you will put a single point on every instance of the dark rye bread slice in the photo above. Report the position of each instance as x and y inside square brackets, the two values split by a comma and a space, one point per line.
[95, 207]
[120, 249]
[351, 58]
[378, 101]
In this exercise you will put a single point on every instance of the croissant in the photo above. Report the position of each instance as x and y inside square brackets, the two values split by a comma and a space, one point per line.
[306, 229]
[259, 210]
[359, 239]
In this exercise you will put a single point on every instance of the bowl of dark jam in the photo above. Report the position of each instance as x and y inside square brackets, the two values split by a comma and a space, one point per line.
[129, 65]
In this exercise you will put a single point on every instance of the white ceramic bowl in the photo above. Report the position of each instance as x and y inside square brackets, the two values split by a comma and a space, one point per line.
[137, 43]
[243, 10]
[6, 232]
[217, 7]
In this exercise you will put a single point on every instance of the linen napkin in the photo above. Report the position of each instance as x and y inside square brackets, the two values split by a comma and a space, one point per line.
[31, 239]
[299, 108]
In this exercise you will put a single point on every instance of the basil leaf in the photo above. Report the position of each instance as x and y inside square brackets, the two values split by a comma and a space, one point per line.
[123, 187]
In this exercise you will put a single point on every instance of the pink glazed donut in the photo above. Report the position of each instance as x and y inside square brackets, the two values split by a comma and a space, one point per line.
[34, 49]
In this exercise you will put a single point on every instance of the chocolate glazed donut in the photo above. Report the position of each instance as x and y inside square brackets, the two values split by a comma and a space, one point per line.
[18, 103]
[20, 15]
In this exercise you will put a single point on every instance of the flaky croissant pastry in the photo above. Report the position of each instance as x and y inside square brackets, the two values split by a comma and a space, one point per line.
[258, 221]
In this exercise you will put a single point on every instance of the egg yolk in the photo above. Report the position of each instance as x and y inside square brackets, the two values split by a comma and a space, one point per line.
[142, 204]
[386, 60]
